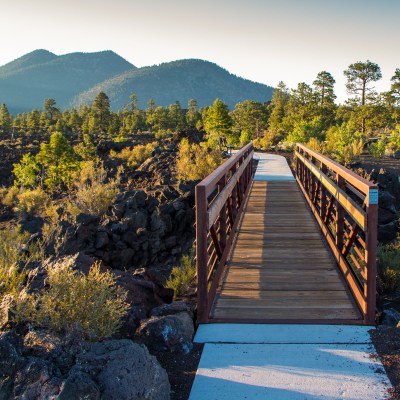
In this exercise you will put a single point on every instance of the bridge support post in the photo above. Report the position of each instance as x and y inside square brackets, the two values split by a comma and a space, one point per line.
[371, 238]
[201, 253]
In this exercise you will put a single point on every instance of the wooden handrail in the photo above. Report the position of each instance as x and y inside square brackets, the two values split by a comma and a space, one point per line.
[346, 208]
[220, 200]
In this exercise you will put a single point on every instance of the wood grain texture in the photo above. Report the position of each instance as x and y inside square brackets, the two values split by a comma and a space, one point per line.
[280, 267]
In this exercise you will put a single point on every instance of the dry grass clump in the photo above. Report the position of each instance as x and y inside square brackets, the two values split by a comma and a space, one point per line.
[94, 304]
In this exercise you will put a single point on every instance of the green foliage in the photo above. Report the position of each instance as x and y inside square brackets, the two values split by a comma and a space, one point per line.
[183, 276]
[193, 116]
[196, 161]
[344, 144]
[26, 172]
[60, 161]
[94, 304]
[94, 194]
[389, 267]
[377, 149]
[250, 119]
[5, 120]
[303, 131]
[100, 114]
[86, 149]
[359, 75]
[317, 145]
[268, 139]
[394, 141]
[217, 122]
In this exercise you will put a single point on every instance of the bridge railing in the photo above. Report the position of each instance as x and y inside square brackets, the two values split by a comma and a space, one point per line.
[346, 208]
[220, 200]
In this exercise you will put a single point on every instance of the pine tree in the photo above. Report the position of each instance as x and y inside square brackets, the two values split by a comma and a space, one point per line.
[59, 160]
[217, 123]
[100, 114]
[5, 120]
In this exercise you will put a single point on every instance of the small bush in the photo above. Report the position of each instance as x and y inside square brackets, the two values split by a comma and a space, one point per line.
[8, 197]
[389, 267]
[349, 154]
[32, 201]
[93, 303]
[377, 149]
[136, 155]
[317, 145]
[15, 304]
[196, 161]
[183, 276]
[94, 195]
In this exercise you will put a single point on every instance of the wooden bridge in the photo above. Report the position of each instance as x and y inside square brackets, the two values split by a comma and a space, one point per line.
[274, 248]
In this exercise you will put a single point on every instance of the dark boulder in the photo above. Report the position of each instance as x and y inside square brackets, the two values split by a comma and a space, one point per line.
[168, 333]
[123, 370]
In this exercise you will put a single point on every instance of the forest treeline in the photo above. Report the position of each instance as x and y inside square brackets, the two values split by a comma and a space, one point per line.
[306, 114]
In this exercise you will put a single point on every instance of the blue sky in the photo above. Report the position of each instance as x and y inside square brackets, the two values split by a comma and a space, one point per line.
[262, 40]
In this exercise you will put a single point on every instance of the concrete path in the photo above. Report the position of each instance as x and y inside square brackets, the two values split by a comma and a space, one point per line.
[272, 167]
[287, 362]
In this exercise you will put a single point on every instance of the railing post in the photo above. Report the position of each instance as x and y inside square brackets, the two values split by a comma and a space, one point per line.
[222, 217]
[323, 194]
[339, 216]
[234, 197]
[201, 253]
[371, 238]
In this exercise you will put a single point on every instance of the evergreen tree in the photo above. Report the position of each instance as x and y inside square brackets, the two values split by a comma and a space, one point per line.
[325, 97]
[133, 103]
[395, 87]
[50, 109]
[250, 119]
[5, 120]
[59, 160]
[33, 121]
[26, 171]
[280, 98]
[359, 76]
[176, 117]
[192, 116]
[217, 123]
[324, 90]
[100, 114]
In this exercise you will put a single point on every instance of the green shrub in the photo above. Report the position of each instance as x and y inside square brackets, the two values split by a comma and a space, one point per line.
[94, 195]
[93, 304]
[183, 276]
[196, 161]
[389, 267]
[377, 149]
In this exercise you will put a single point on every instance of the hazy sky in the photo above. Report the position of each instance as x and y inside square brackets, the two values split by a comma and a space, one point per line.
[262, 40]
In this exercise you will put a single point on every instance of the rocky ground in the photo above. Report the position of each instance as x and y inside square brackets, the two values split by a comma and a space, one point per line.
[141, 238]
[144, 234]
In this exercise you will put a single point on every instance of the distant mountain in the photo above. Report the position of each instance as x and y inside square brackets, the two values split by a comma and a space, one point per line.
[75, 79]
[27, 81]
[179, 80]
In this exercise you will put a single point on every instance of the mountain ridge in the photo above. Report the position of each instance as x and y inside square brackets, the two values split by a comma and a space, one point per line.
[74, 79]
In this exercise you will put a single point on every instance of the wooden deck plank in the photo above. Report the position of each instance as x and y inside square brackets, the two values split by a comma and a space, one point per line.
[280, 267]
